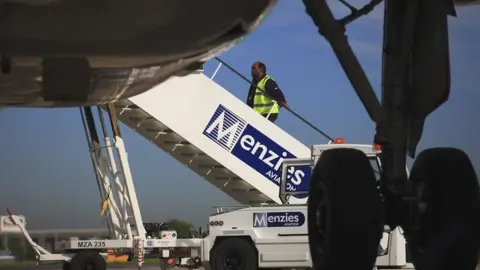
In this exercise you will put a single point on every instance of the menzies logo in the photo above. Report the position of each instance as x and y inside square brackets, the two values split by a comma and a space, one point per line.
[225, 128]
[255, 149]
[278, 219]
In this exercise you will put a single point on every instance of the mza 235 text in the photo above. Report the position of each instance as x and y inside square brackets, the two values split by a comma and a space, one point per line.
[91, 244]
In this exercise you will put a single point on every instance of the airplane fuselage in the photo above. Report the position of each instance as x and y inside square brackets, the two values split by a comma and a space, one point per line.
[57, 53]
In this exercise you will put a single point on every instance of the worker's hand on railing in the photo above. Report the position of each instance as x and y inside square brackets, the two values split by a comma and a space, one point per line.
[284, 104]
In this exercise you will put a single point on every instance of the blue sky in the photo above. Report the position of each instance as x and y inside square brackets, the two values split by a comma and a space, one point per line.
[46, 171]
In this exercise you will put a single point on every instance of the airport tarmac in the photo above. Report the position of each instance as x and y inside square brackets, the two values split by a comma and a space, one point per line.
[149, 266]
[130, 267]
[59, 267]
[110, 267]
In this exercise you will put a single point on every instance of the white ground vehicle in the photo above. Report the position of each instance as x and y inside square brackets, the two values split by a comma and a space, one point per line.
[232, 147]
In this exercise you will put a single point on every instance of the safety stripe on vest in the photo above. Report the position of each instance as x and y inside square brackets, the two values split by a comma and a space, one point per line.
[262, 93]
[264, 105]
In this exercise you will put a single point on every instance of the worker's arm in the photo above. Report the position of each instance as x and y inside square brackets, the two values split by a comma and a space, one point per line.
[276, 93]
[250, 96]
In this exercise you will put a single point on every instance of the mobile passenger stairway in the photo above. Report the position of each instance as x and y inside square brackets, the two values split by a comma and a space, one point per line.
[216, 135]
[224, 141]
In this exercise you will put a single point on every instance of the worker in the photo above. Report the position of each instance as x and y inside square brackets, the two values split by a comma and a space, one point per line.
[270, 98]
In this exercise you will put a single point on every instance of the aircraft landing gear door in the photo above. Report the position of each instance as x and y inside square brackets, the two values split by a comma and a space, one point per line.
[295, 180]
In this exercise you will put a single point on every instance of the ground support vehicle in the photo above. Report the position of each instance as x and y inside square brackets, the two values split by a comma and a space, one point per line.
[269, 236]
[235, 149]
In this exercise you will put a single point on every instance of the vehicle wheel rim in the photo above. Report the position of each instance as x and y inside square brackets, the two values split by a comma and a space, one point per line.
[321, 212]
[233, 261]
[89, 266]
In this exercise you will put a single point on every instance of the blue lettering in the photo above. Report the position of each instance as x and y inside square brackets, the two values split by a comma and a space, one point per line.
[255, 149]
[269, 157]
[278, 219]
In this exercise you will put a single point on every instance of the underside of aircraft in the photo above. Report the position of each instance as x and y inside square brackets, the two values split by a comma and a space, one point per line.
[76, 52]
[60, 53]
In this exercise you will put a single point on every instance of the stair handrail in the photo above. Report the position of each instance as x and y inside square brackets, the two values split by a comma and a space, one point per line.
[308, 123]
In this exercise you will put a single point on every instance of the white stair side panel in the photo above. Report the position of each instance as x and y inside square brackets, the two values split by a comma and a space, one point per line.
[187, 105]
[158, 134]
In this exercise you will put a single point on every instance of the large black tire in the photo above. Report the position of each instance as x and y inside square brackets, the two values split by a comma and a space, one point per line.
[345, 212]
[234, 251]
[88, 258]
[448, 187]
[164, 263]
[66, 266]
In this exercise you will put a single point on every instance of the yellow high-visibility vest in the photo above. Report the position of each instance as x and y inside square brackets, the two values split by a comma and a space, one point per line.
[263, 104]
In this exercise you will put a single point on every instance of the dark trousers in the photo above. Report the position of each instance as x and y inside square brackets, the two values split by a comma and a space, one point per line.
[272, 117]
